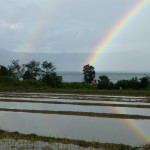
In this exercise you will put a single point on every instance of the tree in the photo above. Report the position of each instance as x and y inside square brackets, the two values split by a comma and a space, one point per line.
[52, 80]
[104, 83]
[128, 84]
[145, 82]
[32, 69]
[89, 73]
[15, 69]
[47, 68]
[27, 75]
[49, 75]
[3, 71]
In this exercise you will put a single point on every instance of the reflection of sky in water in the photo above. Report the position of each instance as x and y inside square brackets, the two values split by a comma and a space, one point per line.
[64, 107]
[72, 100]
[88, 128]
[48, 95]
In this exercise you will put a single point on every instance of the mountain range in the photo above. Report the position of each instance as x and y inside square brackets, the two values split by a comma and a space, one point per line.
[110, 62]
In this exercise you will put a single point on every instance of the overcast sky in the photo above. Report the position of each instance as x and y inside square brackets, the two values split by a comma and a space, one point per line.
[74, 26]
[58, 26]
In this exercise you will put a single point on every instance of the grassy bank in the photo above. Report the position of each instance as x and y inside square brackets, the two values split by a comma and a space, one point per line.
[128, 92]
[81, 143]
[77, 113]
[30, 85]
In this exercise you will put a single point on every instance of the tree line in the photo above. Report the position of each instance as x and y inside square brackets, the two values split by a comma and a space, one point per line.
[33, 70]
[36, 74]
[105, 83]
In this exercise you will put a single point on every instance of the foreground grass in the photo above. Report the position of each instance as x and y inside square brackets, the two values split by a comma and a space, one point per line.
[81, 143]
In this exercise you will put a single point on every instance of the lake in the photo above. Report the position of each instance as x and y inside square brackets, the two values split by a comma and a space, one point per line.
[113, 76]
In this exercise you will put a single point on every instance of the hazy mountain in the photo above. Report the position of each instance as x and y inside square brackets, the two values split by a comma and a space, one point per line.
[63, 61]
[116, 61]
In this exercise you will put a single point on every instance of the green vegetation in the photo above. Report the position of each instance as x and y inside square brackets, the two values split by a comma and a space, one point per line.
[30, 75]
[89, 73]
[77, 85]
[28, 139]
[52, 80]
[104, 83]
[43, 77]
[3, 71]
[134, 83]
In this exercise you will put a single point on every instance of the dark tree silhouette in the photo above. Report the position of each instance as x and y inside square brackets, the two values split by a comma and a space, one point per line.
[89, 73]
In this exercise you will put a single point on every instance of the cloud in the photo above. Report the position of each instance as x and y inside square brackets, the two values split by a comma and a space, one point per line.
[12, 26]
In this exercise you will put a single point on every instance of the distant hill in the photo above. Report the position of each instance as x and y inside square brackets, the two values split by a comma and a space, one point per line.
[62, 61]
[111, 62]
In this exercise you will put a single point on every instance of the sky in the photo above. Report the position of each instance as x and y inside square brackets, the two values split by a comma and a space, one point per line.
[71, 26]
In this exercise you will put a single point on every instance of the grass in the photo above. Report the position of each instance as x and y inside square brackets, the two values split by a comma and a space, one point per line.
[31, 139]
[45, 89]
[10, 84]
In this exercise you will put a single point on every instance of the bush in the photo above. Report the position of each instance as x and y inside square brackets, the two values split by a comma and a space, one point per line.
[33, 83]
[6, 79]
[104, 83]
[77, 85]
[128, 84]
[52, 80]
[3, 71]
[145, 82]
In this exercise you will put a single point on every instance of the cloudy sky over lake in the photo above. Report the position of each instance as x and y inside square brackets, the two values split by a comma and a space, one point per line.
[57, 26]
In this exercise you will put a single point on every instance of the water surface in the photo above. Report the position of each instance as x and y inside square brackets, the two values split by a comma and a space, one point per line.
[88, 128]
[79, 108]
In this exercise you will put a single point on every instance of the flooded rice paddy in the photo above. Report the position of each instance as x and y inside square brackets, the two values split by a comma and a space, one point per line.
[76, 108]
[101, 128]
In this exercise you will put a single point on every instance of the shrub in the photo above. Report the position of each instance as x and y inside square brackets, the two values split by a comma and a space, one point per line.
[104, 83]
[77, 85]
[33, 83]
[52, 80]
[3, 71]
[144, 82]
[128, 84]
[6, 79]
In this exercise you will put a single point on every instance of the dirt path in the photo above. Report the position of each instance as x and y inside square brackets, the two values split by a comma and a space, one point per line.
[74, 113]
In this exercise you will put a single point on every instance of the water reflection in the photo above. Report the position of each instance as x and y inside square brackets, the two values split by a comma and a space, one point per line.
[126, 131]
[72, 100]
[64, 107]
[100, 129]
[73, 96]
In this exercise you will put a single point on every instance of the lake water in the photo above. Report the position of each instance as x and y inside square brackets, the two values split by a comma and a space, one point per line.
[114, 77]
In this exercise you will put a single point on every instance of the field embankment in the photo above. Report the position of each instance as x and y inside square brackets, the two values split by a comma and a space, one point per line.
[74, 113]
[129, 92]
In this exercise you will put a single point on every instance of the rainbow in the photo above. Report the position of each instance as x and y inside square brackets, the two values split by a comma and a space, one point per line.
[133, 124]
[114, 31]
[32, 37]
[37, 30]
[103, 44]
